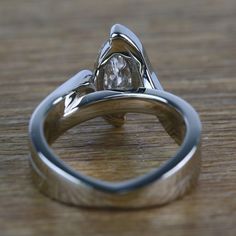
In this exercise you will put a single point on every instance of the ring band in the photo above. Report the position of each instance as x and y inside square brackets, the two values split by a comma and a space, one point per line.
[77, 101]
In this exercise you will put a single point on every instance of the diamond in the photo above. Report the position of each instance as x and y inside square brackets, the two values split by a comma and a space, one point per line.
[117, 73]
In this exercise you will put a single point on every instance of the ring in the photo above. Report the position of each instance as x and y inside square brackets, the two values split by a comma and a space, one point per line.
[123, 82]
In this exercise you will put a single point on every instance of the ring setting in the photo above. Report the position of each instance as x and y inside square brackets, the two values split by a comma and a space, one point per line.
[123, 81]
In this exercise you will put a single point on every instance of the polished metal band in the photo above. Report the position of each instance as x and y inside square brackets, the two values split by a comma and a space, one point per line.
[57, 180]
[123, 82]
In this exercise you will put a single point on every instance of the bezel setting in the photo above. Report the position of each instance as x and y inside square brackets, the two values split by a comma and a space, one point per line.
[124, 42]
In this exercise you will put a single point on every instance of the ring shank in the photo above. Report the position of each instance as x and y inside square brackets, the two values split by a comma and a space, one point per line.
[53, 117]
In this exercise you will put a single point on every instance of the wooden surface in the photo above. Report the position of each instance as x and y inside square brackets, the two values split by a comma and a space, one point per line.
[192, 44]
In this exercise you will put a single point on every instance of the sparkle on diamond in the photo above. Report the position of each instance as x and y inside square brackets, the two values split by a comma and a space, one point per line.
[117, 74]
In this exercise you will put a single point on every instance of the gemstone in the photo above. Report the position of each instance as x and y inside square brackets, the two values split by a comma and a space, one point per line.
[117, 73]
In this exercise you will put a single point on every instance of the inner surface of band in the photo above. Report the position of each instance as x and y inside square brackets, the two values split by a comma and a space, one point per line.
[57, 121]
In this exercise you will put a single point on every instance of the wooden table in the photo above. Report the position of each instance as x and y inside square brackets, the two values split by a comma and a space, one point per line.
[192, 44]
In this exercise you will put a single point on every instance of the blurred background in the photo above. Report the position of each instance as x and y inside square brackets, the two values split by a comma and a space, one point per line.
[192, 46]
[55, 39]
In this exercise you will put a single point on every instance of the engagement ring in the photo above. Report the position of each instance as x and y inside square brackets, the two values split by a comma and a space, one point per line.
[122, 82]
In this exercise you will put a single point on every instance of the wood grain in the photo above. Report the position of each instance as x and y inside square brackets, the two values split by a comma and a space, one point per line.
[190, 43]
